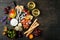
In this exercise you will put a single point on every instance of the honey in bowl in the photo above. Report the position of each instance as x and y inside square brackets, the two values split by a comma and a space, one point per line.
[35, 12]
[31, 5]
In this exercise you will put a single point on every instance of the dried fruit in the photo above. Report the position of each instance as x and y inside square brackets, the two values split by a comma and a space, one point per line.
[4, 33]
[30, 17]
[5, 28]
[37, 32]
[31, 36]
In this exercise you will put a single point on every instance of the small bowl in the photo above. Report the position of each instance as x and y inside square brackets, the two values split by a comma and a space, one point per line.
[35, 12]
[31, 5]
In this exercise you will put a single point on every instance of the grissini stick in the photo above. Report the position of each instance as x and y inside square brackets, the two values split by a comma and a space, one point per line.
[34, 26]
[30, 31]
[31, 26]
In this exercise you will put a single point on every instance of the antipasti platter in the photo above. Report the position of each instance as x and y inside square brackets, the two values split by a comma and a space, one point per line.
[22, 21]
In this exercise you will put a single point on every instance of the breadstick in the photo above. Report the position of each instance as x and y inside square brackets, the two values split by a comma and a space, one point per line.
[29, 32]
[31, 26]
[34, 26]
[33, 23]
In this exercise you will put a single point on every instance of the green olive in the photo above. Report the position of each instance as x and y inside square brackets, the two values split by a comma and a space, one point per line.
[11, 33]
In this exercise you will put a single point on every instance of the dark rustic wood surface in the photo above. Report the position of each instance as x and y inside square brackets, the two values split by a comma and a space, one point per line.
[48, 18]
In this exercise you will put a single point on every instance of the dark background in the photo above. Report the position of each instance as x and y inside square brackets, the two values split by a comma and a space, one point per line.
[49, 18]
